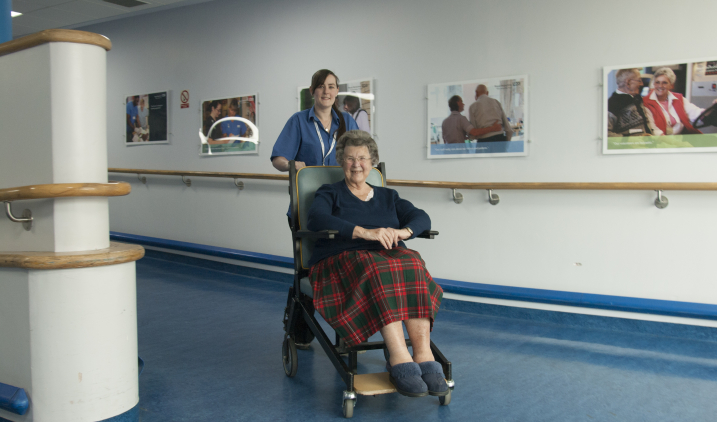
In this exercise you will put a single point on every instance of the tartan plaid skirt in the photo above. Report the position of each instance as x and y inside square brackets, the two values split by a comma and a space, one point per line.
[358, 292]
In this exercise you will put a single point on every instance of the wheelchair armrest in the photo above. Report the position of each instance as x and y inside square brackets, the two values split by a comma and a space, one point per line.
[323, 234]
[428, 234]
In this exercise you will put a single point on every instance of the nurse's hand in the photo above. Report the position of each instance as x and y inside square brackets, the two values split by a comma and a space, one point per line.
[282, 164]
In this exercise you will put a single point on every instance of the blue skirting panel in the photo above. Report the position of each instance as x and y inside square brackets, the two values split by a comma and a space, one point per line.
[13, 399]
[554, 297]
[582, 300]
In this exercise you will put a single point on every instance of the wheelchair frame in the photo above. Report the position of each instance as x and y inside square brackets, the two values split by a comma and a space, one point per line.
[301, 306]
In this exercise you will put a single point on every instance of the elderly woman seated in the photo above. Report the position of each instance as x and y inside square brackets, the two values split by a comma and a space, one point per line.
[367, 280]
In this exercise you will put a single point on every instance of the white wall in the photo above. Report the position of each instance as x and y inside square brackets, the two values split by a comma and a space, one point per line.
[626, 246]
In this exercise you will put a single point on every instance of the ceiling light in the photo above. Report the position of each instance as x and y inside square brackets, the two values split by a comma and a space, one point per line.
[14, 14]
[127, 3]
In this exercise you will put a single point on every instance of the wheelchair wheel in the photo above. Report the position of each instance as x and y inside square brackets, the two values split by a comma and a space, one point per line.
[289, 358]
[348, 408]
[445, 400]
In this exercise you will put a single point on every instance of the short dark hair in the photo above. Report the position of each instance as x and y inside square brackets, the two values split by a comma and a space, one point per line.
[453, 102]
[352, 101]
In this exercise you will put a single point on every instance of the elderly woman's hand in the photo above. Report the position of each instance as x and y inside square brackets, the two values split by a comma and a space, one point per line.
[387, 236]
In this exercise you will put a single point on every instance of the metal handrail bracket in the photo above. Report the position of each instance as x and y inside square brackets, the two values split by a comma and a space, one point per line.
[493, 198]
[26, 218]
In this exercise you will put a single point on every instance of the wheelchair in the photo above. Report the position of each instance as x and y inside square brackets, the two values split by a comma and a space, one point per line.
[301, 326]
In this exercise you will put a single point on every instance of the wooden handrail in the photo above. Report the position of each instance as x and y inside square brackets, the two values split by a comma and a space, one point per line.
[64, 190]
[457, 185]
[55, 35]
[117, 253]
[203, 174]
[557, 185]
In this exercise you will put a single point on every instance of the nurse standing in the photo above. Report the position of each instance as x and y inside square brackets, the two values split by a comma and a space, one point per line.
[309, 136]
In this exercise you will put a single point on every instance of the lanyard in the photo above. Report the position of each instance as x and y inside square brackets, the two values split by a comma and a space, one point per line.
[321, 141]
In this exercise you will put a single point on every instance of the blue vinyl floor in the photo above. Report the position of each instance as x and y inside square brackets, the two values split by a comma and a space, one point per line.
[211, 341]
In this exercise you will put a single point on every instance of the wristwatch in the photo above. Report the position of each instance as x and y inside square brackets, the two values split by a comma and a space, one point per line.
[409, 230]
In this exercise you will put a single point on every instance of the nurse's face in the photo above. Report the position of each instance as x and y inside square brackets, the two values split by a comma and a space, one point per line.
[325, 94]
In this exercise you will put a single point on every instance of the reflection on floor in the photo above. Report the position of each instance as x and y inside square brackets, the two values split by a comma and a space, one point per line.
[211, 341]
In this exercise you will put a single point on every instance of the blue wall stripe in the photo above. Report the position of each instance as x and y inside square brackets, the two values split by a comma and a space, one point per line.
[255, 257]
[582, 300]
[553, 297]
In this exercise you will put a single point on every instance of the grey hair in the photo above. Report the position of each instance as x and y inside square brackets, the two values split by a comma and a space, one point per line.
[356, 138]
[666, 71]
[623, 75]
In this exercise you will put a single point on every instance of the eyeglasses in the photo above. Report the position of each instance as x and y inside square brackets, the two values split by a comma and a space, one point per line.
[352, 160]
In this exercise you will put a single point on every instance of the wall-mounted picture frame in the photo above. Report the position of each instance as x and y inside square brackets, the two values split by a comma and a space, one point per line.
[478, 118]
[227, 126]
[146, 119]
[660, 107]
[361, 106]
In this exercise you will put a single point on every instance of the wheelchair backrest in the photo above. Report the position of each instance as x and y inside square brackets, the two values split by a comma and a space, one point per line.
[308, 181]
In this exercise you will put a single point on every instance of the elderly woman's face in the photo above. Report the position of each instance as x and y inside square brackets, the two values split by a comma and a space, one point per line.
[662, 85]
[356, 164]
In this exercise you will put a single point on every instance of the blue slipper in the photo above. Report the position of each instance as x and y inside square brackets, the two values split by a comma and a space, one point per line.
[406, 377]
[432, 375]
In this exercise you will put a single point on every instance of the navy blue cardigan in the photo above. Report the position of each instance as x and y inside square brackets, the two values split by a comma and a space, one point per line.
[336, 208]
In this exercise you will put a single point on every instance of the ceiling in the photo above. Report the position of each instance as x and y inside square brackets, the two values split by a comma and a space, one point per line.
[46, 14]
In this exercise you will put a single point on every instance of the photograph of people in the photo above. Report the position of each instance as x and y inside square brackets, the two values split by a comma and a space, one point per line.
[352, 105]
[214, 111]
[131, 116]
[233, 127]
[309, 136]
[373, 222]
[627, 114]
[662, 108]
[466, 120]
[485, 112]
[143, 120]
[457, 129]
[671, 112]
[146, 119]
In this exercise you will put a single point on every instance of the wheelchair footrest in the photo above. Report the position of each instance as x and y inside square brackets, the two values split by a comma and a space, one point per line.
[372, 384]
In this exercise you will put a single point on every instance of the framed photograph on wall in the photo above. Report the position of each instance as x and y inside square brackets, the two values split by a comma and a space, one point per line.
[660, 107]
[227, 126]
[146, 119]
[360, 105]
[478, 118]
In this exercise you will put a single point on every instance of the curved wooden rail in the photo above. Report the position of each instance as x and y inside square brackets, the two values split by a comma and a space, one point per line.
[55, 35]
[117, 253]
[455, 185]
[64, 190]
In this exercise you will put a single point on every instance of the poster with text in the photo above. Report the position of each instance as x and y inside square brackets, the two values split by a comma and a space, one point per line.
[361, 106]
[146, 119]
[219, 122]
[478, 118]
[660, 107]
